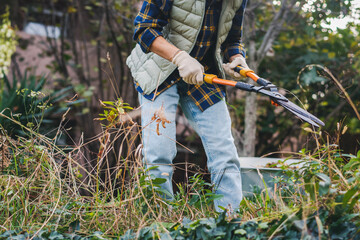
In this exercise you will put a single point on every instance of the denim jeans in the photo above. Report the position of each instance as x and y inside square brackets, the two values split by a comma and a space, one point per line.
[214, 128]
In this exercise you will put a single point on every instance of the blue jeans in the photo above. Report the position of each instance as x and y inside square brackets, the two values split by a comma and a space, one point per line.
[214, 128]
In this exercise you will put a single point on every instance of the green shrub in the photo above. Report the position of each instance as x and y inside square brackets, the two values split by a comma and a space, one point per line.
[318, 199]
[24, 105]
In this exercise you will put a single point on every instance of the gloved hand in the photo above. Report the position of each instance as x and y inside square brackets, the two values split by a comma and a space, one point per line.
[229, 67]
[189, 68]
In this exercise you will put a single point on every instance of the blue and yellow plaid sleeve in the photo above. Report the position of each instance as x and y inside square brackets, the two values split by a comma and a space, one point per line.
[231, 50]
[233, 44]
[149, 22]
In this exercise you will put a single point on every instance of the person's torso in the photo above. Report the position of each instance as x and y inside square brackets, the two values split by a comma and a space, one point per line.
[184, 29]
[204, 48]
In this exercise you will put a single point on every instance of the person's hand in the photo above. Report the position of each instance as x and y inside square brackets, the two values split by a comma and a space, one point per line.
[189, 68]
[229, 67]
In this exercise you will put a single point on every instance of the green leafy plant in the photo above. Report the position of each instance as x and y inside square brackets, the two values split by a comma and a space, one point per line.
[114, 112]
[197, 194]
[316, 199]
[326, 193]
[204, 228]
[8, 42]
[23, 104]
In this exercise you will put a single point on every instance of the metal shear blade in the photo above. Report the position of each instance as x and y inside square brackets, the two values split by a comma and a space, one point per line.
[301, 113]
[274, 95]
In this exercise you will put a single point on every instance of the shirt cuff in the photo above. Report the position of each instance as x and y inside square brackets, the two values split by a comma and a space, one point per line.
[234, 50]
[147, 37]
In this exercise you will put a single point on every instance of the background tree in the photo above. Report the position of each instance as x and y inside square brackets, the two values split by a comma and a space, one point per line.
[89, 54]
[264, 22]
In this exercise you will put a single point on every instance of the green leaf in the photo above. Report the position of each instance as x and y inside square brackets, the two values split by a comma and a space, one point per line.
[165, 236]
[152, 168]
[352, 164]
[324, 178]
[56, 235]
[74, 226]
[8, 233]
[263, 225]
[158, 181]
[312, 77]
[349, 194]
[354, 201]
[240, 231]
[164, 191]
[331, 55]
[19, 237]
[109, 102]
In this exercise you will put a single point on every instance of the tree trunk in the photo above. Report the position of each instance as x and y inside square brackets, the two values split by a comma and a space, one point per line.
[250, 109]
[254, 59]
[250, 125]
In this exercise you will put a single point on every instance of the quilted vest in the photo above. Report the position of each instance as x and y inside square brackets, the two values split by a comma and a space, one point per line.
[186, 18]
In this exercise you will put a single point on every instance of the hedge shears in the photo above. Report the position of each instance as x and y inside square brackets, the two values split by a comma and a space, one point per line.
[268, 89]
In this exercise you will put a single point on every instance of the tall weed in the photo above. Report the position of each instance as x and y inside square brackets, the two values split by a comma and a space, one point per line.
[41, 184]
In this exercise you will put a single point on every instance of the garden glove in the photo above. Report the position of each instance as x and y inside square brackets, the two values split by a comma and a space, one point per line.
[189, 68]
[229, 67]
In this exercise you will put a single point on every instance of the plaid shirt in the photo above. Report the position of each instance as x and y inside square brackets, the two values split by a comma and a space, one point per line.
[154, 15]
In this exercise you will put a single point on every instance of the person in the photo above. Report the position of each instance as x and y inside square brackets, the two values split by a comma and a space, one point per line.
[179, 41]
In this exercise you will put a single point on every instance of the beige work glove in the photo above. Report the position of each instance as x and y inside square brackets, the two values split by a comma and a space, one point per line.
[229, 67]
[189, 68]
